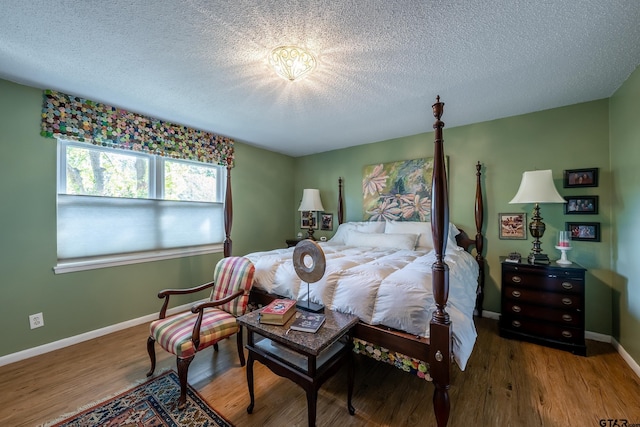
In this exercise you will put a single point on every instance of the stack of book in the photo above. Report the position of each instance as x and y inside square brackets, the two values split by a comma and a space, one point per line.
[278, 312]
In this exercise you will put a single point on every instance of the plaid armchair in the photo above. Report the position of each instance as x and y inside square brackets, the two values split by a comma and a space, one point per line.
[208, 322]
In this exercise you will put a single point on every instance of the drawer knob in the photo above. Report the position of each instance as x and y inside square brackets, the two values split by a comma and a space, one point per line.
[515, 294]
[567, 301]
[567, 317]
[516, 324]
[516, 279]
[567, 285]
[516, 309]
[567, 334]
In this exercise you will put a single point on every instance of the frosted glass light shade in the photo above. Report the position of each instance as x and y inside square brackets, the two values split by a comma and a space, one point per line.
[537, 187]
[311, 200]
[291, 62]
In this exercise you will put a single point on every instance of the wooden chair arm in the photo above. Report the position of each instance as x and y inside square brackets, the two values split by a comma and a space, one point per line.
[199, 308]
[206, 304]
[166, 293]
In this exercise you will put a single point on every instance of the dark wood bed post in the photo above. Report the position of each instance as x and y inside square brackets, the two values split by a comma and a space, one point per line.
[340, 202]
[440, 326]
[228, 212]
[479, 239]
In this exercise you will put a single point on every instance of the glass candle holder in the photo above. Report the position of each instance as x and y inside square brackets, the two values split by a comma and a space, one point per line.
[563, 239]
[564, 245]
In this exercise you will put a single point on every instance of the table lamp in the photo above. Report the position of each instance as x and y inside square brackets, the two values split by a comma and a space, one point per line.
[311, 203]
[537, 187]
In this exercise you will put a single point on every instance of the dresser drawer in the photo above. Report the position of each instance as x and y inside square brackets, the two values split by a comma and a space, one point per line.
[559, 317]
[551, 282]
[543, 330]
[547, 299]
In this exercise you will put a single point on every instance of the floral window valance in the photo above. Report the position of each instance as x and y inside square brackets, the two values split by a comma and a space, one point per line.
[79, 119]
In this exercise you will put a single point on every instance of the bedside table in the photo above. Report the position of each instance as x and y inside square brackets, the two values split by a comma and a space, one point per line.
[293, 242]
[544, 304]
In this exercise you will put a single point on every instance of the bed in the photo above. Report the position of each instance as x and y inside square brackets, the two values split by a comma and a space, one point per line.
[396, 277]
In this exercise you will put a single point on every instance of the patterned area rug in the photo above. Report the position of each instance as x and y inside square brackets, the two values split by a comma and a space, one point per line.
[152, 404]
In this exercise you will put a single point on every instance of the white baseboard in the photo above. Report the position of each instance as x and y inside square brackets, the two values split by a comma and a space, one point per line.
[56, 345]
[491, 315]
[627, 358]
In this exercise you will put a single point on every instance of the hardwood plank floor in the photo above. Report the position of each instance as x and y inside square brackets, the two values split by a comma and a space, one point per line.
[506, 383]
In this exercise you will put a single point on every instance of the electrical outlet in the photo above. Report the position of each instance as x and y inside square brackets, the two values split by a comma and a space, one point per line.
[36, 320]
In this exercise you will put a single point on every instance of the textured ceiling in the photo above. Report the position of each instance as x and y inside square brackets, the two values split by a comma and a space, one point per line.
[381, 63]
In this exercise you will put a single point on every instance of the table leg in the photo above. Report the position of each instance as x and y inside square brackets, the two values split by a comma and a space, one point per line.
[250, 381]
[350, 378]
[312, 402]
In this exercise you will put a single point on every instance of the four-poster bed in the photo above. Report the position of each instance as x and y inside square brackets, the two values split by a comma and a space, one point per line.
[441, 342]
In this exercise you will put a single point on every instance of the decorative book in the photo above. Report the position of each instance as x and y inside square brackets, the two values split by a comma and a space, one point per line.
[278, 312]
[308, 322]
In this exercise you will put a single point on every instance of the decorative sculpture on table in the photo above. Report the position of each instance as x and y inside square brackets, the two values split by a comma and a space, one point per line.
[310, 264]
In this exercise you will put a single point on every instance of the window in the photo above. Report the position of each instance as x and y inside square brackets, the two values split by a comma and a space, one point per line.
[130, 206]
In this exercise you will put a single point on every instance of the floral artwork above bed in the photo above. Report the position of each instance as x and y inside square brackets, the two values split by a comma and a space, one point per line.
[398, 191]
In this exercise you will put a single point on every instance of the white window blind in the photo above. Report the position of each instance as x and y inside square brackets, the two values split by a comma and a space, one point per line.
[90, 226]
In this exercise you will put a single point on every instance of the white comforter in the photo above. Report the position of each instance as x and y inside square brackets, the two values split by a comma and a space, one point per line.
[382, 287]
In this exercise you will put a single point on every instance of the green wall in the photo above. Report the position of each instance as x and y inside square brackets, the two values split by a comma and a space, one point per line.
[563, 138]
[75, 303]
[266, 192]
[625, 154]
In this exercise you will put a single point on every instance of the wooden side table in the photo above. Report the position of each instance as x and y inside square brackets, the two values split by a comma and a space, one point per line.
[305, 358]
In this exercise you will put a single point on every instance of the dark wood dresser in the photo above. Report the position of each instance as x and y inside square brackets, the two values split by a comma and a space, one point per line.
[544, 304]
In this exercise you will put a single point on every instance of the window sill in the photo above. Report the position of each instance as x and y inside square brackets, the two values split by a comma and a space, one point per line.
[81, 264]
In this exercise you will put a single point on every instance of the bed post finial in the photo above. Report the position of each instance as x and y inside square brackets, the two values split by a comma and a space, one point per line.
[438, 109]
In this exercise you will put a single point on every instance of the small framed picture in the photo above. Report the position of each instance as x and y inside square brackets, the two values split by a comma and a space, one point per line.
[304, 219]
[512, 226]
[586, 231]
[326, 221]
[577, 205]
[581, 178]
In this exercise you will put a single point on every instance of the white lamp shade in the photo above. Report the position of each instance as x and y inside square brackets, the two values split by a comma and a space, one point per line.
[537, 187]
[311, 200]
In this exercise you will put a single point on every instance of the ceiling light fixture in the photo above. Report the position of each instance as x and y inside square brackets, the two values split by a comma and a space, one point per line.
[292, 62]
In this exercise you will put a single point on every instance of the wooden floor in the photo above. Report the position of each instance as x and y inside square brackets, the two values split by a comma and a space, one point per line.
[506, 383]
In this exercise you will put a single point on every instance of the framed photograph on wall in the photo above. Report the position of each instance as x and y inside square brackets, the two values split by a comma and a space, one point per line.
[581, 178]
[304, 219]
[326, 221]
[585, 231]
[512, 226]
[579, 205]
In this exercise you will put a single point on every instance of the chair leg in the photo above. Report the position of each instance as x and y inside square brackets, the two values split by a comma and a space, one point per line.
[215, 346]
[240, 346]
[183, 369]
[152, 355]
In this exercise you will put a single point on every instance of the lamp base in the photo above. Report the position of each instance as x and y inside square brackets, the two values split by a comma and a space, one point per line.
[538, 259]
[310, 306]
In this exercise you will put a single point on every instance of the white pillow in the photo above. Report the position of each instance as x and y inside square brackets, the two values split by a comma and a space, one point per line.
[453, 232]
[364, 227]
[425, 241]
[382, 240]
